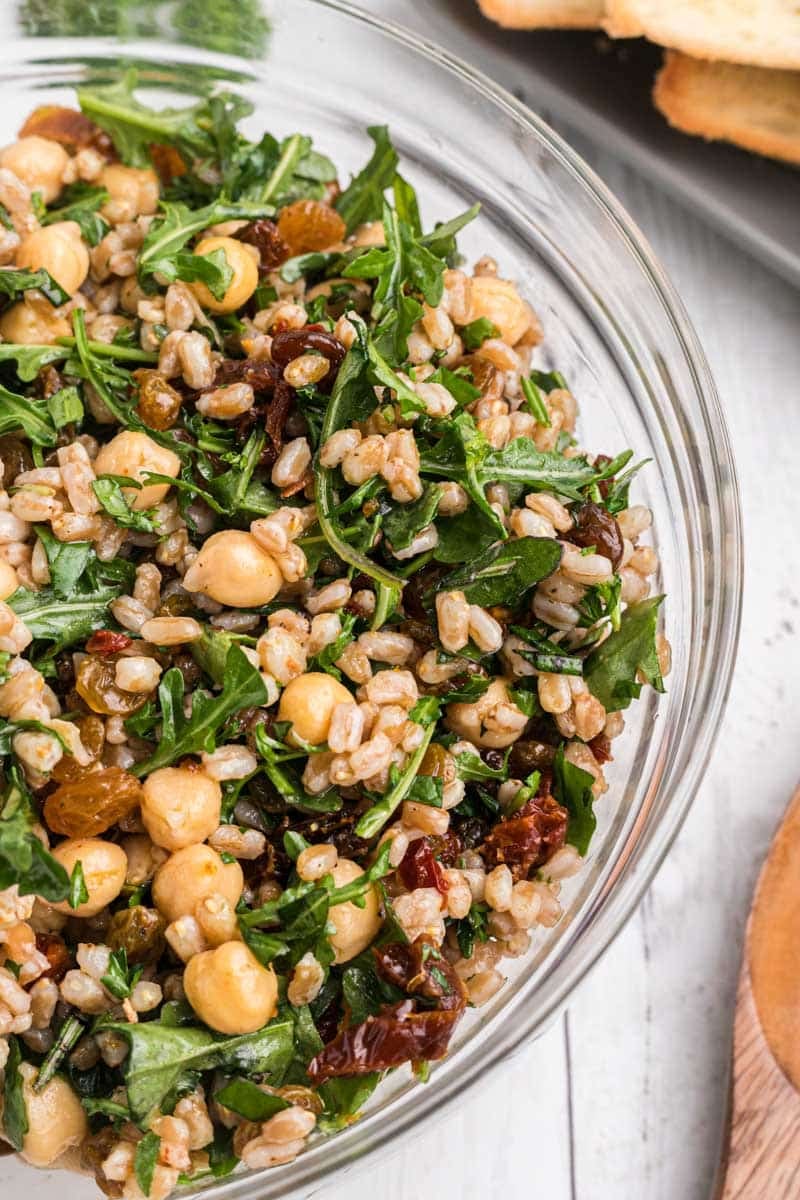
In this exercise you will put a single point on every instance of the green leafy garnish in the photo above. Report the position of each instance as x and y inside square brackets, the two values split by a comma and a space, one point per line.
[478, 332]
[78, 891]
[362, 200]
[120, 979]
[160, 1055]
[244, 1097]
[14, 282]
[505, 572]
[23, 859]
[15, 1113]
[145, 1160]
[611, 669]
[572, 788]
[242, 687]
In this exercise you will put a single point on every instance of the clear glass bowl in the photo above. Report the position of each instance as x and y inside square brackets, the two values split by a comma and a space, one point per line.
[617, 330]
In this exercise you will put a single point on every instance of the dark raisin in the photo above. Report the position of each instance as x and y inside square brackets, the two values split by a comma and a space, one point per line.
[596, 527]
[272, 249]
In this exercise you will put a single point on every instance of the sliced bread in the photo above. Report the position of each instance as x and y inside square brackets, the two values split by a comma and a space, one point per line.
[765, 33]
[751, 106]
[544, 14]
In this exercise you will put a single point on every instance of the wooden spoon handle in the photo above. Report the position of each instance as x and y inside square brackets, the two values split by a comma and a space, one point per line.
[763, 1160]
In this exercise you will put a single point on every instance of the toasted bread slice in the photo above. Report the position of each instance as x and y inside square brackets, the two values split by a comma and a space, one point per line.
[764, 33]
[751, 106]
[544, 14]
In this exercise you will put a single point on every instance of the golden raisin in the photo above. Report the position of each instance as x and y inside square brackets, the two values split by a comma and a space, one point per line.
[95, 683]
[140, 932]
[93, 736]
[310, 225]
[159, 404]
[435, 760]
[88, 806]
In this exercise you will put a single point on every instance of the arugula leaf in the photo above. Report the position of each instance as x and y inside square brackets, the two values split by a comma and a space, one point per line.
[109, 492]
[244, 1097]
[23, 859]
[457, 383]
[119, 979]
[14, 282]
[572, 788]
[133, 127]
[160, 1055]
[329, 655]
[65, 407]
[169, 234]
[505, 572]
[79, 203]
[362, 200]
[242, 686]
[376, 817]
[477, 332]
[75, 603]
[28, 414]
[472, 928]
[145, 1160]
[78, 891]
[106, 379]
[212, 269]
[66, 561]
[472, 689]
[616, 501]
[611, 669]
[30, 359]
[546, 655]
[442, 240]
[407, 205]
[15, 1113]
[464, 455]
[406, 521]
[464, 536]
[471, 767]
[352, 399]
[534, 401]
[344, 1098]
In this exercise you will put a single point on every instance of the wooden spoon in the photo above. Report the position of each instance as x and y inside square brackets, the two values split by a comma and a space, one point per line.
[763, 1158]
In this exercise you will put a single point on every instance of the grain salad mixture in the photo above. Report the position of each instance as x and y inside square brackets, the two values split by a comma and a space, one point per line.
[317, 625]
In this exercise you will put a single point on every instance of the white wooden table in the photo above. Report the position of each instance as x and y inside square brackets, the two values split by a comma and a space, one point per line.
[624, 1099]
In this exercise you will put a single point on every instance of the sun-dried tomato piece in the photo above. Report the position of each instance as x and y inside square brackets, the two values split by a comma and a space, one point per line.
[596, 527]
[56, 951]
[68, 126]
[309, 225]
[397, 1035]
[419, 869]
[420, 969]
[263, 234]
[90, 805]
[159, 404]
[526, 841]
[106, 641]
[276, 412]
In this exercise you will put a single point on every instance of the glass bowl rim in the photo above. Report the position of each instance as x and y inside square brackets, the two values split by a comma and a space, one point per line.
[504, 1038]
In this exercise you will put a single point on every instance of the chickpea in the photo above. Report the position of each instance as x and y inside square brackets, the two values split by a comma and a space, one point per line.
[234, 570]
[60, 250]
[190, 876]
[230, 990]
[56, 1119]
[132, 454]
[33, 322]
[499, 302]
[180, 807]
[244, 280]
[104, 869]
[8, 580]
[467, 720]
[132, 192]
[355, 927]
[38, 162]
[308, 703]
